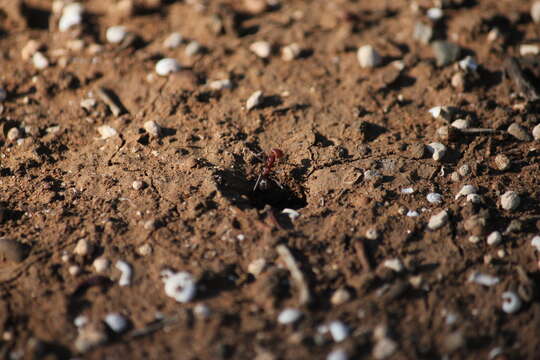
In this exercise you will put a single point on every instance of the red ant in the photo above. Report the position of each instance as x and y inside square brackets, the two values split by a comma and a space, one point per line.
[271, 158]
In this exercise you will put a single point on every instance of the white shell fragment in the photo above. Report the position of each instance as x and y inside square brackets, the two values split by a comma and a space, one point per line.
[437, 150]
[261, 48]
[338, 354]
[460, 124]
[106, 131]
[394, 264]
[438, 220]
[466, 190]
[338, 330]
[510, 200]
[40, 61]
[434, 198]
[535, 242]
[293, 214]
[167, 66]
[116, 34]
[174, 40]
[181, 286]
[483, 279]
[71, 16]
[220, 84]
[368, 57]
[413, 213]
[254, 100]
[116, 322]
[290, 52]
[494, 238]
[152, 128]
[408, 190]
[126, 273]
[511, 302]
[289, 316]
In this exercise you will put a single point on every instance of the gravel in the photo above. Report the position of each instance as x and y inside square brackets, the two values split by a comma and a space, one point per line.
[368, 57]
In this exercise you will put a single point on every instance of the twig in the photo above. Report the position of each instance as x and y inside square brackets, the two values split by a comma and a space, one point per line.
[296, 274]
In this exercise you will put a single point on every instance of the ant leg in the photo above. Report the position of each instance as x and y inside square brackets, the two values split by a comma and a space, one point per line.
[257, 182]
[279, 184]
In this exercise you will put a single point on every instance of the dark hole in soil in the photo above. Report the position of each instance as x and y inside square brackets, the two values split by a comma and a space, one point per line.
[36, 18]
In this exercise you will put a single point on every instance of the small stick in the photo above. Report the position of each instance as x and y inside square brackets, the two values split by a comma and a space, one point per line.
[296, 274]
[107, 99]
[154, 327]
[361, 252]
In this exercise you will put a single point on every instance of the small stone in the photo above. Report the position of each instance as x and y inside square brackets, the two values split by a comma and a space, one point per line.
[261, 48]
[445, 52]
[173, 41]
[372, 234]
[422, 33]
[220, 84]
[71, 16]
[74, 270]
[90, 336]
[14, 134]
[437, 150]
[461, 124]
[257, 266]
[340, 296]
[519, 132]
[474, 239]
[106, 131]
[116, 34]
[255, 6]
[464, 170]
[12, 250]
[437, 221]
[435, 13]
[137, 185]
[529, 49]
[502, 162]
[535, 11]
[289, 316]
[434, 198]
[40, 61]
[384, 348]
[101, 264]
[254, 100]
[152, 128]
[483, 279]
[458, 81]
[338, 330]
[338, 354]
[474, 198]
[412, 213]
[290, 52]
[510, 200]
[167, 66]
[116, 322]
[368, 57]
[394, 264]
[83, 248]
[536, 132]
[181, 286]
[144, 250]
[466, 190]
[511, 302]
[80, 321]
[494, 238]
[193, 48]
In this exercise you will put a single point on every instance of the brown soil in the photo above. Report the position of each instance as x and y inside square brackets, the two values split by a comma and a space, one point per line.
[198, 212]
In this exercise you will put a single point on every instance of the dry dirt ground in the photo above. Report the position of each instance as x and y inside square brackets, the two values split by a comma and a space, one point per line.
[354, 142]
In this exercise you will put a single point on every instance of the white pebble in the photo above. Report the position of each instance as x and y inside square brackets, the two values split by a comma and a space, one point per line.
[468, 64]
[289, 316]
[483, 279]
[536, 132]
[466, 190]
[14, 134]
[80, 321]
[408, 190]
[338, 330]
[152, 128]
[101, 264]
[511, 302]
[261, 48]
[116, 34]
[436, 111]
[368, 57]
[474, 239]
[167, 66]
[438, 220]
[529, 49]
[71, 16]
[40, 61]
[494, 238]
[3, 94]
[338, 354]
[510, 200]
[220, 84]
[74, 270]
[106, 131]
[254, 100]
[144, 250]
[460, 124]
[413, 213]
[535, 242]
[82, 248]
[474, 198]
[257, 266]
[173, 40]
[137, 185]
[193, 48]
[372, 234]
[293, 214]
[340, 296]
[434, 198]
[434, 14]
[437, 150]
[384, 348]
[126, 273]
[181, 286]
[393, 264]
[290, 52]
[116, 322]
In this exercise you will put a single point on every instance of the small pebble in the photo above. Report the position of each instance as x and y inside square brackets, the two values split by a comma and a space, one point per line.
[167, 66]
[71, 16]
[137, 185]
[502, 162]
[126, 273]
[519, 132]
[40, 61]
[434, 198]
[464, 170]
[90, 336]
[193, 48]
[437, 150]
[289, 316]
[80, 321]
[220, 84]
[384, 348]
[144, 250]
[254, 100]
[14, 134]
[437, 221]
[474, 239]
[340, 296]
[255, 6]
[466, 190]
[257, 266]
[422, 33]
[536, 132]
[106, 131]
[535, 242]
[494, 238]
[510, 200]
[116, 34]
[116, 322]
[181, 286]
[74, 270]
[338, 330]
[338, 354]
[408, 190]
[460, 124]
[483, 279]
[368, 57]
[152, 128]
[173, 41]
[261, 48]
[394, 264]
[412, 213]
[501, 253]
[290, 52]
[83, 247]
[149, 224]
[511, 302]
[372, 234]
[101, 264]
[445, 52]
[12, 250]
[529, 49]
[435, 14]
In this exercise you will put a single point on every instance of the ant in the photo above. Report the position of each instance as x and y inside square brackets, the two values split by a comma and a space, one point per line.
[271, 158]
